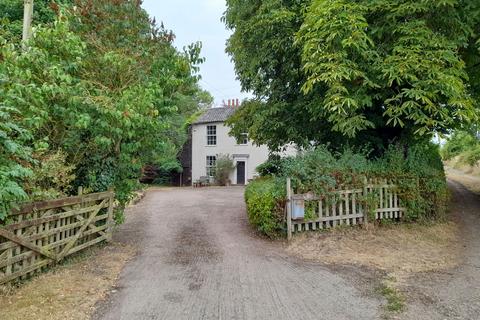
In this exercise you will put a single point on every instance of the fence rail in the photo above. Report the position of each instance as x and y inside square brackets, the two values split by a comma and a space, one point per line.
[43, 233]
[342, 207]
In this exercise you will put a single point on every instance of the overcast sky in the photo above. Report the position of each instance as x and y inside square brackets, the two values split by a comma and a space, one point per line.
[199, 20]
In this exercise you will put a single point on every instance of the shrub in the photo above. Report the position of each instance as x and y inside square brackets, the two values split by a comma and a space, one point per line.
[265, 199]
[273, 166]
[419, 177]
[223, 167]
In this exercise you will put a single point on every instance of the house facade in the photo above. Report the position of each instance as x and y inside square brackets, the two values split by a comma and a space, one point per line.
[210, 139]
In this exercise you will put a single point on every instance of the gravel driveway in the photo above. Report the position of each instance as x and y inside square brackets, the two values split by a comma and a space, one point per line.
[199, 259]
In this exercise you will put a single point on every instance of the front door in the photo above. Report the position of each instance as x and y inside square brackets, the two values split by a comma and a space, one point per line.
[240, 172]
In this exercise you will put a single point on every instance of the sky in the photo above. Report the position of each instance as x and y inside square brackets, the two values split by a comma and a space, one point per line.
[199, 20]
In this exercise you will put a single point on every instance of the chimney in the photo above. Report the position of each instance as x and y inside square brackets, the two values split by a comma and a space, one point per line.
[238, 103]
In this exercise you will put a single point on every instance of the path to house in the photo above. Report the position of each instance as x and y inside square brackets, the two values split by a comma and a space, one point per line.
[198, 259]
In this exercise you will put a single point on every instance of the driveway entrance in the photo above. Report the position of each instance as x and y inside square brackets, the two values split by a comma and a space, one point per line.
[199, 259]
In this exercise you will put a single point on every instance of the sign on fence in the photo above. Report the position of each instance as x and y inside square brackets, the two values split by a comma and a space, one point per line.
[342, 207]
[43, 233]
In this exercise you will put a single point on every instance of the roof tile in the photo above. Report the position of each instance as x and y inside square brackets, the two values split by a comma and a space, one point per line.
[216, 115]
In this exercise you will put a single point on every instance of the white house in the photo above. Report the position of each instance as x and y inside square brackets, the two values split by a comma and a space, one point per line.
[210, 139]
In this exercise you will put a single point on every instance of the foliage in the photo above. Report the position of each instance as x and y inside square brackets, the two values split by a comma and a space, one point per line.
[14, 156]
[273, 166]
[265, 199]
[52, 176]
[223, 167]
[45, 11]
[419, 176]
[99, 93]
[465, 145]
[369, 73]
[458, 142]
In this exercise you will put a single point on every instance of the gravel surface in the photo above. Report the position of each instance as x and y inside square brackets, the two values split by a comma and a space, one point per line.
[199, 259]
[454, 294]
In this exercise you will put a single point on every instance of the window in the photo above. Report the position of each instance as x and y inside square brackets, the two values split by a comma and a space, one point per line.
[211, 162]
[243, 139]
[211, 135]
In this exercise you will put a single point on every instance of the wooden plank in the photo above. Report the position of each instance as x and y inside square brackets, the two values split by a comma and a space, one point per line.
[12, 237]
[325, 219]
[110, 221]
[50, 232]
[49, 204]
[87, 244]
[28, 223]
[10, 261]
[390, 209]
[22, 272]
[289, 210]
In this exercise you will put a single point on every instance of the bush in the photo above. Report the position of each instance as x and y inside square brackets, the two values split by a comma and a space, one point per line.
[223, 167]
[273, 166]
[419, 177]
[265, 199]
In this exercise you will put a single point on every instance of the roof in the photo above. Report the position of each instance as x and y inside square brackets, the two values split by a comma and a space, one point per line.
[216, 115]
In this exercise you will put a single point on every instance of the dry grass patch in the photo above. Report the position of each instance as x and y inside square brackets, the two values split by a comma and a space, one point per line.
[397, 249]
[69, 291]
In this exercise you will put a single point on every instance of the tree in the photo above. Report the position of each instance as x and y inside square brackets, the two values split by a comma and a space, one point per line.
[99, 93]
[359, 72]
[45, 11]
[223, 167]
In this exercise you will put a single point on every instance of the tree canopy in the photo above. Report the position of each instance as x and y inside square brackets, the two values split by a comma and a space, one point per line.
[99, 92]
[367, 73]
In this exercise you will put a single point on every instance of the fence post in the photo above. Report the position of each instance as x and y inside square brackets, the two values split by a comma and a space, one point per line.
[110, 215]
[289, 209]
[365, 206]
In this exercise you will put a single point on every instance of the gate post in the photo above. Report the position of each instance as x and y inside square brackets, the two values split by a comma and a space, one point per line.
[289, 209]
[110, 221]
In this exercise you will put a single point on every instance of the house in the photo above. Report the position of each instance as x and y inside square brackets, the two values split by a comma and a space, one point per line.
[210, 139]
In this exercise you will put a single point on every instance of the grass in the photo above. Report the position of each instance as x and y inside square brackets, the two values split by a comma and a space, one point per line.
[395, 299]
[70, 290]
[398, 249]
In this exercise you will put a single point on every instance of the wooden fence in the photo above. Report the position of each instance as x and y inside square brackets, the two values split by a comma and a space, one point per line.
[342, 207]
[43, 233]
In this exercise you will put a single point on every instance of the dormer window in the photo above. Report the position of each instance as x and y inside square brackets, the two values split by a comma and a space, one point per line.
[211, 135]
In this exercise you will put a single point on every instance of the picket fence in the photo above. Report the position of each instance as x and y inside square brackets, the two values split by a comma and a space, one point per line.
[342, 207]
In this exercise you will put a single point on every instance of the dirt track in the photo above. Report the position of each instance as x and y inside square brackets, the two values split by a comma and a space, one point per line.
[454, 294]
[199, 259]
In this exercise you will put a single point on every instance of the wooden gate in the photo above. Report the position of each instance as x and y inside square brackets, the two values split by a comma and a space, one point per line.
[43, 233]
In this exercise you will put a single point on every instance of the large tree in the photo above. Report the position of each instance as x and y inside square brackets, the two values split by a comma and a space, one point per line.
[98, 93]
[365, 72]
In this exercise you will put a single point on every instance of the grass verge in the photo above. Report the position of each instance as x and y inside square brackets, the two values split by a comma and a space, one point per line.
[69, 290]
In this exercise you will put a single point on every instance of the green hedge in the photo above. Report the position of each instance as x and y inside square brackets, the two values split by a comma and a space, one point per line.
[417, 172]
[265, 199]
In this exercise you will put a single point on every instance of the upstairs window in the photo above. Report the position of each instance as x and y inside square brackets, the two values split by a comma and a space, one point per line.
[211, 163]
[211, 135]
[243, 139]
